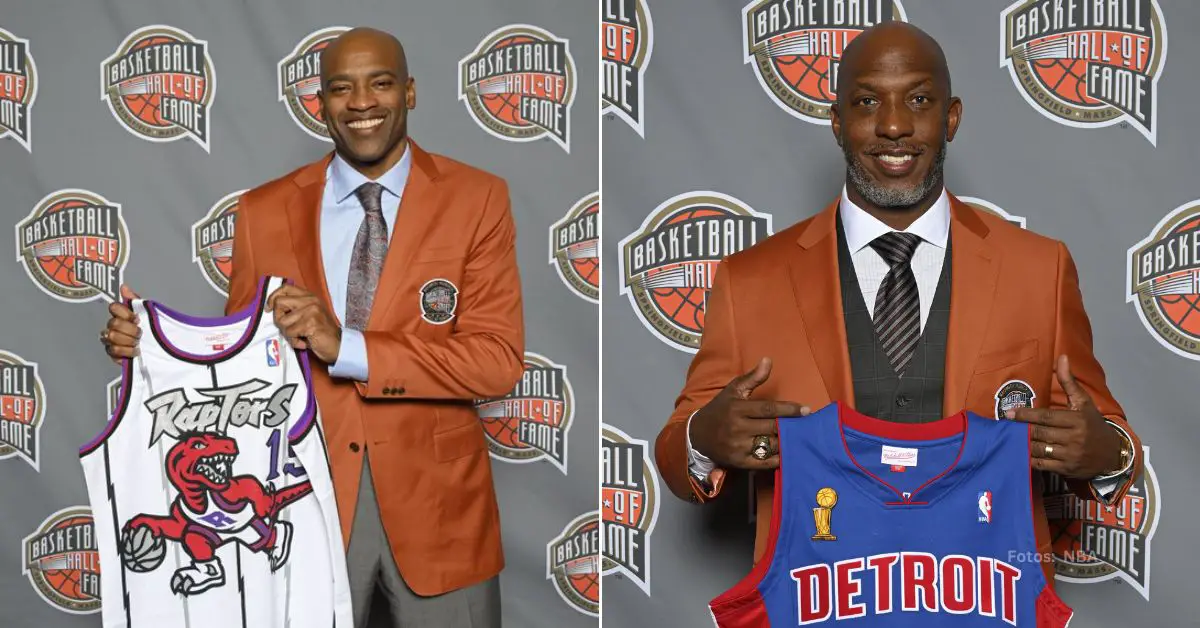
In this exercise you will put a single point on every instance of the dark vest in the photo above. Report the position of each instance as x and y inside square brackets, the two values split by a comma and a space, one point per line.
[878, 392]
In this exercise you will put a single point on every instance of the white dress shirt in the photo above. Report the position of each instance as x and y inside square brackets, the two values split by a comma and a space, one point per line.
[861, 228]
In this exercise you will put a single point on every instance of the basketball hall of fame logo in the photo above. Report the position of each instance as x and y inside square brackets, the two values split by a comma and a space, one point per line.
[667, 265]
[796, 47]
[572, 564]
[627, 41]
[1094, 542]
[212, 241]
[532, 421]
[18, 88]
[1087, 64]
[22, 409]
[62, 561]
[75, 245]
[629, 498]
[992, 208]
[1163, 271]
[575, 248]
[159, 84]
[299, 78]
[518, 85]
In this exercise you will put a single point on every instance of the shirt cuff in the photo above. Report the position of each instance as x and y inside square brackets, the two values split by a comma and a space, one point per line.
[1106, 484]
[352, 357]
[698, 464]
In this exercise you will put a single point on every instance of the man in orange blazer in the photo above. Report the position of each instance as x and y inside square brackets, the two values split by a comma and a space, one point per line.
[968, 308]
[406, 291]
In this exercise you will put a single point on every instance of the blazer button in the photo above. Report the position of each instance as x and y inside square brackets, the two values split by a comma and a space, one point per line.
[354, 447]
[398, 391]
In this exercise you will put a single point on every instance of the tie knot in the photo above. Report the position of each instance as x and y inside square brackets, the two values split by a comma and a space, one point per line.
[370, 194]
[896, 247]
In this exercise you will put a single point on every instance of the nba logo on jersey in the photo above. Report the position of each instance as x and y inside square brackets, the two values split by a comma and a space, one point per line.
[272, 351]
[985, 506]
[849, 540]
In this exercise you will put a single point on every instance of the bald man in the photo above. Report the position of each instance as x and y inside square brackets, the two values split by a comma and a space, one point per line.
[407, 298]
[900, 301]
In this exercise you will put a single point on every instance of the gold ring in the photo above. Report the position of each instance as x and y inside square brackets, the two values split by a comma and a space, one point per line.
[762, 447]
[104, 336]
[1049, 450]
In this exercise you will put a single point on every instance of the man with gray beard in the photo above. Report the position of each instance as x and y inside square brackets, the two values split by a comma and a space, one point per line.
[900, 301]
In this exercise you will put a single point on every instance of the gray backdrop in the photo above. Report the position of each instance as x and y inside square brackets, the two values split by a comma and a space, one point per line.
[712, 125]
[164, 188]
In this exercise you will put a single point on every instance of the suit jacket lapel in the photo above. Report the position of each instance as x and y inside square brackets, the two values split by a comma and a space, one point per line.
[818, 293]
[972, 290]
[418, 207]
[304, 221]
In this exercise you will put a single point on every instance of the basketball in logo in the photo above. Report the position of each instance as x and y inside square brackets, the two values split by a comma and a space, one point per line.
[159, 84]
[74, 245]
[1087, 64]
[629, 505]
[212, 241]
[575, 248]
[299, 78]
[18, 88]
[667, 266]
[532, 421]
[573, 564]
[62, 563]
[1094, 543]
[518, 85]
[796, 47]
[627, 41]
[992, 208]
[22, 408]
[1164, 280]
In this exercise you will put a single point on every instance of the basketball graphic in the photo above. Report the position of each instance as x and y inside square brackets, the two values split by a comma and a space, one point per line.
[533, 420]
[629, 491]
[573, 564]
[212, 241]
[992, 208]
[299, 80]
[75, 246]
[575, 248]
[1087, 64]
[18, 89]
[22, 409]
[62, 563]
[667, 266]
[1094, 543]
[141, 550]
[160, 84]
[519, 84]
[795, 48]
[626, 44]
[1163, 272]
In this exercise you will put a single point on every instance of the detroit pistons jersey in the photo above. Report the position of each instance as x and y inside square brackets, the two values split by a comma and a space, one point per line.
[877, 523]
[210, 485]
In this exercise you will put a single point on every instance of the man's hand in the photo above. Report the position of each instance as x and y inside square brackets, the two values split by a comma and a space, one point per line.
[1074, 443]
[120, 336]
[724, 429]
[306, 322]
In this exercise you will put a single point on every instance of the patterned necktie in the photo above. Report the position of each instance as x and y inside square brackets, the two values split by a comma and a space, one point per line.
[898, 304]
[366, 263]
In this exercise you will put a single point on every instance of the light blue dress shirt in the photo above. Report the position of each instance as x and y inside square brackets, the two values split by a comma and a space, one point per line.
[341, 216]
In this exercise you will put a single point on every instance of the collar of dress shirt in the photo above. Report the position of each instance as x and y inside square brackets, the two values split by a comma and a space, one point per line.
[861, 228]
[346, 179]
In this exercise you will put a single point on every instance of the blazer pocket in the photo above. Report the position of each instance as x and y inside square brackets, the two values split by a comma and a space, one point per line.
[1008, 356]
[439, 254]
[458, 442]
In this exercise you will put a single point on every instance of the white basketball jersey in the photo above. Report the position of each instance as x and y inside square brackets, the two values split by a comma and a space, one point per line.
[210, 486]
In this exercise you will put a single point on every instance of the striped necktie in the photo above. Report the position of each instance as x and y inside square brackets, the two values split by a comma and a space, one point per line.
[897, 316]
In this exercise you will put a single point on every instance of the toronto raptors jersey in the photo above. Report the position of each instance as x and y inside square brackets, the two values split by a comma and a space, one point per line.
[210, 485]
[890, 524]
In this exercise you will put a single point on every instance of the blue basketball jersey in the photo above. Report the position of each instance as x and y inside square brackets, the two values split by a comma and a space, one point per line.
[898, 524]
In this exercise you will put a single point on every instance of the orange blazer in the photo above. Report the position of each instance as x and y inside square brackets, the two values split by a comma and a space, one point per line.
[1015, 306]
[429, 460]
